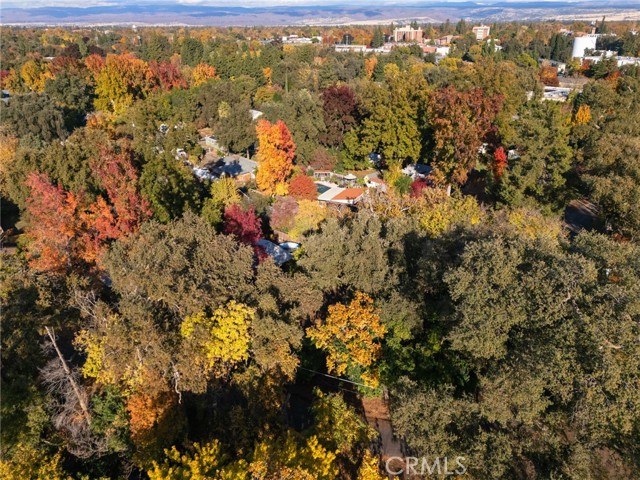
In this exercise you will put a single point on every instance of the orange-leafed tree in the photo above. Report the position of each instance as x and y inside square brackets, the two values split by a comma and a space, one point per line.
[127, 209]
[303, 187]
[95, 64]
[268, 73]
[460, 121]
[55, 222]
[276, 152]
[549, 76]
[350, 336]
[67, 232]
[370, 65]
[155, 423]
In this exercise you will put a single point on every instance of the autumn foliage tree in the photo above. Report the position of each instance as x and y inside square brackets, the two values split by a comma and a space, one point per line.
[66, 230]
[549, 76]
[351, 336]
[417, 186]
[34, 75]
[303, 187]
[583, 115]
[339, 108]
[283, 213]
[202, 73]
[166, 76]
[56, 219]
[460, 122]
[220, 341]
[120, 81]
[118, 177]
[276, 152]
[499, 162]
[244, 225]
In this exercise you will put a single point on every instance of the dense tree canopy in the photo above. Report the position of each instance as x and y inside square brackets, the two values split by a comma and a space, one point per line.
[430, 258]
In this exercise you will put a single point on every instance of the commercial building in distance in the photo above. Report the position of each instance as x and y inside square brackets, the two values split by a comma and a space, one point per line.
[481, 32]
[408, 34]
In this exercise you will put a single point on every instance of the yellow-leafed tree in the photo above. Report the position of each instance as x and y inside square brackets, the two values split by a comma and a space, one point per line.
[34, 75]
[370, 468]
[583, 115]
[350, 336]
[220, 341]
[204, 462]
[202, 73]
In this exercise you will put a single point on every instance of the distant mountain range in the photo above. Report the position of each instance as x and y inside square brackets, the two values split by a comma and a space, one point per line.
[195, 13]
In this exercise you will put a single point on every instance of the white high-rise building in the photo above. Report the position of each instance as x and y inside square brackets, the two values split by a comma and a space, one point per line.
[586, 42]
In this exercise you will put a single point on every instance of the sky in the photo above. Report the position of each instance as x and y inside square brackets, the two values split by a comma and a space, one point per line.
[234, 3]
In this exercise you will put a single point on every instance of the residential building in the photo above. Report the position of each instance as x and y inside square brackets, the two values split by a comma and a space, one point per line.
[408, 34]
[442, 51]
[446, 40]
[255, 114]
[279, 254]
[235, 166]
[417, 170]
[341, 196]
[481, 32]
[374, 181]
[561, 66]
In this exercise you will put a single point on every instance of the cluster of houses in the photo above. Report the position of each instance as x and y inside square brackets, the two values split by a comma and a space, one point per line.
[406, 36]
[338, 189]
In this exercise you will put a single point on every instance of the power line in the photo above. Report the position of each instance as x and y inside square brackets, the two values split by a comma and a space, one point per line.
[337, 378]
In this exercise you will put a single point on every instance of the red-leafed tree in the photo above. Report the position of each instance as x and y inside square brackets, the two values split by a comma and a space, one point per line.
[303, 187]
[339, 108]
[119, 178]
[166, 76]
[243, 224]
[499, 162]
[66, 232]
[62, 64]
[55, 224]
[417, 186]
[460, 121]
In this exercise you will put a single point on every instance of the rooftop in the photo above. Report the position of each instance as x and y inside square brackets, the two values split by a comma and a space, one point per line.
[348, 194]
[234, 165]
[279, 254]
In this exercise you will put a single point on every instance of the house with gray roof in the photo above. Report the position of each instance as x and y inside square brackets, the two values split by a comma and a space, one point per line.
[235, 166]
